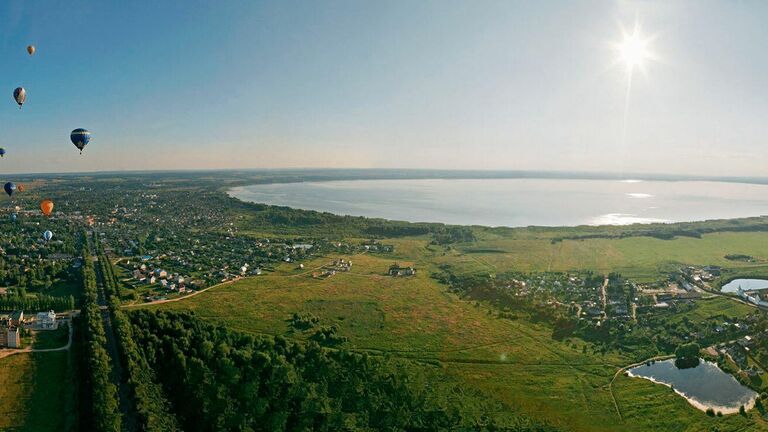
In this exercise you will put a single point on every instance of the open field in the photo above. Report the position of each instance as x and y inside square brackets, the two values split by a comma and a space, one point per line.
[641, 258]
[517, 361]
[37, 392]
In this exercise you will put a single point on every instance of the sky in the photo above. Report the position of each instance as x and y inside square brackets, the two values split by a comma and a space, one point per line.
[515, 85]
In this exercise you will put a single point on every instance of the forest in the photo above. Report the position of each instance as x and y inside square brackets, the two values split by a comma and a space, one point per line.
[219, 379]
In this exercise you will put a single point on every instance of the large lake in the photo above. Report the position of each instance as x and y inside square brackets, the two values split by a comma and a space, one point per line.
[705, 386]
[519, 202]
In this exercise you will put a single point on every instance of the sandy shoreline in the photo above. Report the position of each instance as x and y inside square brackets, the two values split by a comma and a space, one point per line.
[698, 404]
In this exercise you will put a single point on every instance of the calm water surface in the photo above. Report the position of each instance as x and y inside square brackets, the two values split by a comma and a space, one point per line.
[519, 202]
[705, 386]
[745, 284]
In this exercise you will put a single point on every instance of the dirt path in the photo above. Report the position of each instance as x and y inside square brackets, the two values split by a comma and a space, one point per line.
[157, 302]
[620, 371]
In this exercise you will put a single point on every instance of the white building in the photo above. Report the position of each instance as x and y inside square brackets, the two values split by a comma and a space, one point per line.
[14, 337]
[46, 320]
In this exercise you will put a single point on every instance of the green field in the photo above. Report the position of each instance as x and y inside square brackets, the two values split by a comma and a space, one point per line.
[37, 392]
[516, 361]
[640, 258]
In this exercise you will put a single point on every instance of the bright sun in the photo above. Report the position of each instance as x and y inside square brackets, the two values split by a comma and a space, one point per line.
[634, 49]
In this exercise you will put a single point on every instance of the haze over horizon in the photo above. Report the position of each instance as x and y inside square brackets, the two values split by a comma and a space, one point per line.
[433, 84]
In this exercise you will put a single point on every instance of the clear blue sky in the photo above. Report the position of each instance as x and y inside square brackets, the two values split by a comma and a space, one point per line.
[418, 84]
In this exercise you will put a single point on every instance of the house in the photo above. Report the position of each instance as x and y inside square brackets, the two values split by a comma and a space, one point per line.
[396, 270]
[151, 280]
[713, 270]
[46, 320]
[17, 318]
[162, 274]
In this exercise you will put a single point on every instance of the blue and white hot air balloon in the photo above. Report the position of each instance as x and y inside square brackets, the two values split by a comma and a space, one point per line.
[47, 235]
[80, 138]
[13, 217]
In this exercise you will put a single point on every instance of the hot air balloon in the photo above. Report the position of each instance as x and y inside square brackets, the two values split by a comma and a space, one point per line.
[10, 188]
[47, 235]
[2, 152]
[31, 49]
[20, 95]
[20, 188]
[47, 207]
[13, 217]
[80, 138]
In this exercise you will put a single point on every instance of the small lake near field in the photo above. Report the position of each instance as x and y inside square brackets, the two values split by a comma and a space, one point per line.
[745, 284]
[515, 202]
[705, 386]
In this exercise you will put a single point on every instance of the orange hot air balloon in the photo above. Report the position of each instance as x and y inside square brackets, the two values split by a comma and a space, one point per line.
[47, 207]
[20, 188]
[31, 49]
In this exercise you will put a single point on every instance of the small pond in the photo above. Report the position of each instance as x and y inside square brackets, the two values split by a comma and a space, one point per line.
[704, 386]
[745, 284]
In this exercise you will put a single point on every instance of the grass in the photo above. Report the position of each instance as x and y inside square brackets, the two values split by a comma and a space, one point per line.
[640, 258]
[37, 392]
[45, 339]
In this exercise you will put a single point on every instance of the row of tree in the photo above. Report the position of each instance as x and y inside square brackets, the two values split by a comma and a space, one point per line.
[100, 406]
[40, 302]
[152, 413]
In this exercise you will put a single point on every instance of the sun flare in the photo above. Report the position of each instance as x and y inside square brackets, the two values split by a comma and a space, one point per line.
[634, 49]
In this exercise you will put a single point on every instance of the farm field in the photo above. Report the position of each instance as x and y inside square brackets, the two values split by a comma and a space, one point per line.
[641, 258]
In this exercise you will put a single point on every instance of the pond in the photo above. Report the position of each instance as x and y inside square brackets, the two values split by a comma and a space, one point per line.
[745, 284]
[704, 386]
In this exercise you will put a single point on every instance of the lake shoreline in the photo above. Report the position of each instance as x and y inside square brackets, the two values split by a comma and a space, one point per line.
[697, 403]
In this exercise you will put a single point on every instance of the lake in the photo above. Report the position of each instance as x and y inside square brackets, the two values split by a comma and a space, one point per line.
[705, 386]
[519, 202]
[745, 284]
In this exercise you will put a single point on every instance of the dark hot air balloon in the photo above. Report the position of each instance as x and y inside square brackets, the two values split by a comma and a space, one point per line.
[31, 49]
[20, 95]
[80, 138]
[10, 188]
[2, 152]
[13, 217]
